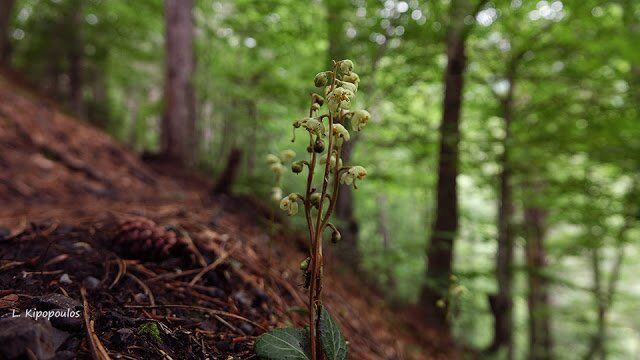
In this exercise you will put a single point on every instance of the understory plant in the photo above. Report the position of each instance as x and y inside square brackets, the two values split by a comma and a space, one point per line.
[326, 126]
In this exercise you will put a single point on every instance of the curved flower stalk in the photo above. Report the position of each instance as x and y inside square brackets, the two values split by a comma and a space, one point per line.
[327, 132]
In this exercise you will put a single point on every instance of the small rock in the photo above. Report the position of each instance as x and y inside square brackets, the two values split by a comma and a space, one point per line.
[67, 306]
[91, 283]
[17, 334]
[65, 279]
[57, 301]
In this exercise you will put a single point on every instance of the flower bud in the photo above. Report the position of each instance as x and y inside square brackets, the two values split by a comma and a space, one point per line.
[335, 236]
[297, 167]
[359, 119]
[304, 265]
[346, 66]
[322, 78]
[315, 199]
[309, 149]
[318, 146]
[341, 134]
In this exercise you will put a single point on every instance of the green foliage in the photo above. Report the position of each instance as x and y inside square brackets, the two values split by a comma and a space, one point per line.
[333, 344]
[285, 343]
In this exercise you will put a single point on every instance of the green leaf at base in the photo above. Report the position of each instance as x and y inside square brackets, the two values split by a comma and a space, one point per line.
[286, 343]
[333, 344]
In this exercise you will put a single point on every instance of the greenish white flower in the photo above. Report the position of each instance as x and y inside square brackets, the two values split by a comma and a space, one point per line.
[351, 78]
[290, 204]
[346, 66]
[287, 155]
[353, 174]
[314, 126]
[322, 79]
[277, 168]
[340, 134]
[339, 98]
[349, 86]
[359, 119]
[272, 159]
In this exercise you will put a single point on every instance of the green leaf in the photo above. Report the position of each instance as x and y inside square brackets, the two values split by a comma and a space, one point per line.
[333, 344]
[285, 343]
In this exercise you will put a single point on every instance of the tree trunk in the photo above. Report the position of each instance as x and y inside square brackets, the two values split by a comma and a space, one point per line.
[540, 336]
[383, 230]
[75, 58]
[347, 250]
[6, 9]
[445, 226]
[502, 302]
[179, 138]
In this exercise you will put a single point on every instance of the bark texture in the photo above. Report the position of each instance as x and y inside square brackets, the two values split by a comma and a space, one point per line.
[179, 138]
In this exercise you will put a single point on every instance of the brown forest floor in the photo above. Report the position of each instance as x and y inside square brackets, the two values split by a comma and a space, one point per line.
[64, 189]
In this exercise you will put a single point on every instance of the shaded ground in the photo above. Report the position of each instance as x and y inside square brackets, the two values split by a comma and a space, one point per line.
[67, 188]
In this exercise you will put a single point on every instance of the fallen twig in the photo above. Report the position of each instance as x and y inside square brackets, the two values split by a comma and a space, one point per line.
[98, 352]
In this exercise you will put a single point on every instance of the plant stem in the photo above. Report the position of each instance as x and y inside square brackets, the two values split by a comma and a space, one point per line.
[316, 255]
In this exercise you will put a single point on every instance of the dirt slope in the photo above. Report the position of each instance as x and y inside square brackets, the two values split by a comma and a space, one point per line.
[65, 188]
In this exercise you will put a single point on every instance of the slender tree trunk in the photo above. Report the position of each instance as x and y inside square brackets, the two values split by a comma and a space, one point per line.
[502, 303]
[6, 10]
[445, 226]
[179, 140]
[347, 250]
[383, 230]
[540, 336]
[75, 58]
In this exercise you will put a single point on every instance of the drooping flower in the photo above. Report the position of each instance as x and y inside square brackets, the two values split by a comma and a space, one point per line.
[314, 126]
[353, 174]
[339, 98]
[290, 204]
[287, 155]
[346, 66]
[322, 78]
[340, 134]
[351, 78]
[272, 159]
[359, 119]
[277, 168]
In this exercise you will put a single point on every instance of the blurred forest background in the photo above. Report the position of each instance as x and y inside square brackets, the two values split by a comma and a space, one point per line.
[507, 208]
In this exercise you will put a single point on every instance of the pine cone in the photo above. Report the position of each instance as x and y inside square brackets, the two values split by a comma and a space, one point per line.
[142, 238]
